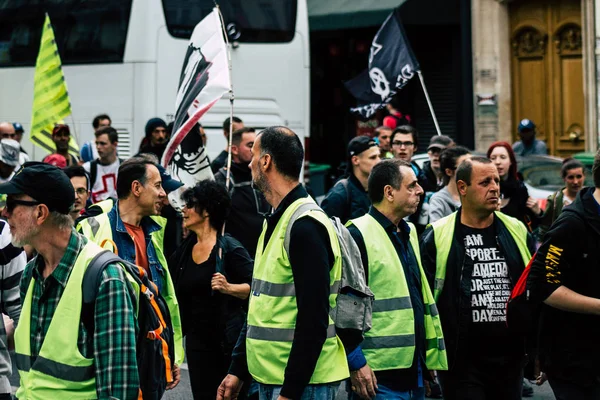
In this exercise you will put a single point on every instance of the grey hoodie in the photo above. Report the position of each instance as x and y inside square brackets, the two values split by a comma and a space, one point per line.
[442, 204]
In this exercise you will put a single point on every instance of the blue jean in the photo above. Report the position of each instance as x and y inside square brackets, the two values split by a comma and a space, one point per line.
[385, 393]
[325, 391]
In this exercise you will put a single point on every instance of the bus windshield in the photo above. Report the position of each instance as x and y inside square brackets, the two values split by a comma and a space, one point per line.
[86, 32]
[248, 21]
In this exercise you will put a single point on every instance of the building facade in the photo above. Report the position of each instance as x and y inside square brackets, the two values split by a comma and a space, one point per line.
[536, 59]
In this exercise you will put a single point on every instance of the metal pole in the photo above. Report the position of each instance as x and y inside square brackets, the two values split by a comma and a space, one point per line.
[437, 126]
[231, 98]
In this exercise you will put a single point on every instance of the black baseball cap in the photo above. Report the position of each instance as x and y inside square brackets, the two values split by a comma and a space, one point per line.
[360, 144]
[168, 183]
[45, 183]
[440, 142]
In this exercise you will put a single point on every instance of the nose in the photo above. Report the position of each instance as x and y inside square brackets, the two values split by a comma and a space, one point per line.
[162, 194]
[419, 190]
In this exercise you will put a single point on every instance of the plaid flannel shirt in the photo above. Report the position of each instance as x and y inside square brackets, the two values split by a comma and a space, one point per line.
[113, 345]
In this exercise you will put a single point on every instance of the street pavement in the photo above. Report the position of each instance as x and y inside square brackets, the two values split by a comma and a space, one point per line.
[183, 391]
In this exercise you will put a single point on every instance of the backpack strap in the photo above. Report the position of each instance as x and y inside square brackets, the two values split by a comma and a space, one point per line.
[91, 284]
[93, 172]
[296, 214]
[344, 182]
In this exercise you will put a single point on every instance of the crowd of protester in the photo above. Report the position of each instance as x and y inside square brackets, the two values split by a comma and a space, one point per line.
[248, 271]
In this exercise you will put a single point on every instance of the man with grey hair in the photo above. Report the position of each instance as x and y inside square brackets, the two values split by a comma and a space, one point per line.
[57, 357]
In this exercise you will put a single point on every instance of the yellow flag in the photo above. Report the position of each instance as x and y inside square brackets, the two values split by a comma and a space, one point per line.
[51, 102]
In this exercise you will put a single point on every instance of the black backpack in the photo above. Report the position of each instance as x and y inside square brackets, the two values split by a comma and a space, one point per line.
[155, 342]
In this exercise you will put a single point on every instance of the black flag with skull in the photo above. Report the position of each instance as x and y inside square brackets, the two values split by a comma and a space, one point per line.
[391, 65]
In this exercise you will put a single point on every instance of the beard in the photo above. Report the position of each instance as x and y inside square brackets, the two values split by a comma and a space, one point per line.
[26, 232]
[260, 183]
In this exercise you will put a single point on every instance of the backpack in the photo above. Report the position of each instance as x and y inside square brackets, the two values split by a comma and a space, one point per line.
[155, 342]
[522, 314]
[354, 305]
[94, 171]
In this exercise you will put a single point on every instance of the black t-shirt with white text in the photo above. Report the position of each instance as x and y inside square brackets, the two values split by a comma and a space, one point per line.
[490, 288]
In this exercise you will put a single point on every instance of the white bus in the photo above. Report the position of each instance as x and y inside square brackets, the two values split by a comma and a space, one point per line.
[124, 57]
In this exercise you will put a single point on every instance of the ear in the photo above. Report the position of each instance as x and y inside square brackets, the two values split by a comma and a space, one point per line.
[136, 188]
[388, 193]
[266, 162]
[354, 160]
[449, 171]
[41, 214]
[462, 187]
[235, 149]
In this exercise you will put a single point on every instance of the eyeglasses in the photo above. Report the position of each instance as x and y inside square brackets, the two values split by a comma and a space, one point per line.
[190, 204]
[81, 191]
[400, 144]
[12, 203]
[8, 135]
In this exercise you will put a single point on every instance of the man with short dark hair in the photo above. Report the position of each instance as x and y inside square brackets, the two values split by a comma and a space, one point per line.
[248, 205]
[349, 198]
[383, 135]
[473, 257]
[290, 346]
[57, 357]
[385, 365]
[529, 145]
[220, 161]
[104, 170]
[405, 141]
[564, 276]
[431, 168]
[61, 136]
[81, 185]
[134, 226]
[88, 150]
[101, 121]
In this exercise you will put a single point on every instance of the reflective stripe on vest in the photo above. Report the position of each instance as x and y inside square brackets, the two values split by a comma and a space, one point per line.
[283, 289]
[97, 229]
[59, 371]
[390, 344]
[443, 234]
[272, 309]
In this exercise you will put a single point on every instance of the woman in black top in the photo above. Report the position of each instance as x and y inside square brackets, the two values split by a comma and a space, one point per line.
[212, 275]
[515, 200]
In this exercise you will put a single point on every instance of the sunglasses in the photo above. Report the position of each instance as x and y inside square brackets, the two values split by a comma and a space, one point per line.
[12, 203]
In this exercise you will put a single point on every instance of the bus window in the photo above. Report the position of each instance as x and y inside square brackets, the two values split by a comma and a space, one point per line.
[248, 21]
[86, 31]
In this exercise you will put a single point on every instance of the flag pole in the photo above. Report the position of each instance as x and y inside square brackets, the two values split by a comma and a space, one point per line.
[231, 98]
[437, 126]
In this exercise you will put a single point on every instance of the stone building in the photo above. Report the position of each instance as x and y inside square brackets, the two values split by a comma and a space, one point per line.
[536, 59]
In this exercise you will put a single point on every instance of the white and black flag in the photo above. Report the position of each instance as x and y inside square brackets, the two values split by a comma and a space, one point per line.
[391, 65]
[203, 81]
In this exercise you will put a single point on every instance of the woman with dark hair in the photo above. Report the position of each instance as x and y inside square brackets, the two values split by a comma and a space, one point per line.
[514, 197]
[212, 275]
[573, 173]
[447, 200]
